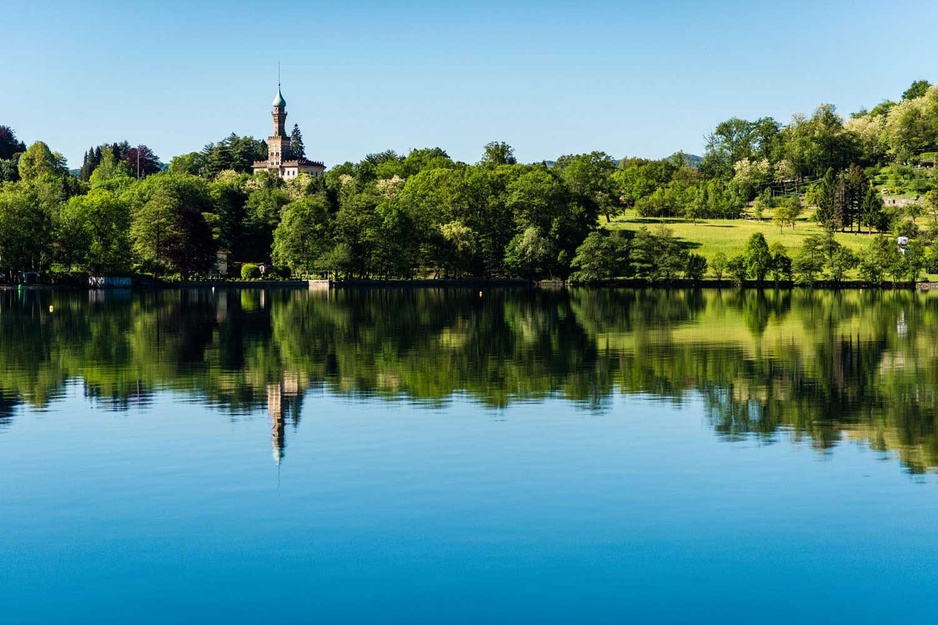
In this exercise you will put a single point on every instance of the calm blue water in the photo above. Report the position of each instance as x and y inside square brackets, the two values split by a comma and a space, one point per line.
[139, 485]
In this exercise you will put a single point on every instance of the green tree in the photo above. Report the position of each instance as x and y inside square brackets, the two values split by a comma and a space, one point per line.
[695, 267]
[787, 212]
[529, 254]
[730, 142]
[589, 178]
[10, 150]
[38, 161]
[781, 262]
[169, 230]
[233, 152]
[872, 213]
[738, 269]
[758, 258]
[191, 164]
[110, 173]
[229, 203]
[498, 153]
[93, 230]
[930, 205]
[913, 260]
[808, 264]
[25, 229]
[718, 265]
[825, 196]
[297, 149]
[304, 234]
[643, 257]
[668, 257]
[601, 256]
[916, 90]
[878, 258]
[262, 216]
[841, 261]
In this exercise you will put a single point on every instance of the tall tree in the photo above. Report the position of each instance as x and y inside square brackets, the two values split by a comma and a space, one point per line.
[498, 153]
[38, 161]
[872, 214]
[25, 229]
[170, 231]
[9, 144]
[142, 161]
[304, 235]
[297, 149]
[825, 196]
[729, 142]
[589, 179]
[232, 152]
[916, 90]
[758, 258]
[110, 171]
[93, 230]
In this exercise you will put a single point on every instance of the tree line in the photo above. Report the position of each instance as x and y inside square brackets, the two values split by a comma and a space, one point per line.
[424, 214]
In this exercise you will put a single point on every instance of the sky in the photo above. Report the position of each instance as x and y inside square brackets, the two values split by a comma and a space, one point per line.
[550, 77]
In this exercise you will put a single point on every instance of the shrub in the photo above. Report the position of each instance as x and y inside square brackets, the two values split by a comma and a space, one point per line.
[250, 271]
[738, 269]
[695, 266]
[718, 265]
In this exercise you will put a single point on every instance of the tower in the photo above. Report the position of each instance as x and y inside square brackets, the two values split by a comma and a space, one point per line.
[278, 144]
[280, 162]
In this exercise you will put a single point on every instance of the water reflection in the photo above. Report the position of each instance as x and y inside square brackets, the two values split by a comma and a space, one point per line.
[829, 366]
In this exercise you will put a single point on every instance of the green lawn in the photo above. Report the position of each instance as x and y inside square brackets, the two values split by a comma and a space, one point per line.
[729, 236]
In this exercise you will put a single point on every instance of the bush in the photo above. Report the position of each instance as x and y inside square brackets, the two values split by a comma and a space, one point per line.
[250, 271]
[781, 262]
[718, 265]
[738, 269]
[695, 266]
[278, 273]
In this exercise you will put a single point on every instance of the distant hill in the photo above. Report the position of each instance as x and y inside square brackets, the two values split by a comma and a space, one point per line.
[691, 160]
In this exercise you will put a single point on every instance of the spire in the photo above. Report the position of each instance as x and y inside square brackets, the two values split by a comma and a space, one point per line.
[279, 102]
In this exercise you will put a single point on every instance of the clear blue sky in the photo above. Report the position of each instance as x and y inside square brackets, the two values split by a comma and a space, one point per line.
[549, 77]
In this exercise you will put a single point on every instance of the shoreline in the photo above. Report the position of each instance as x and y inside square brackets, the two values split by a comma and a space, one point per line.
[512, 283]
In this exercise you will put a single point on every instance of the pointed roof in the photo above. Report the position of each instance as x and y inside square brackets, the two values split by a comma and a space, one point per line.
[279, 102]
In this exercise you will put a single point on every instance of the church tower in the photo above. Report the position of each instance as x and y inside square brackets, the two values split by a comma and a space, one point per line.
[278, 145]
[279, 160]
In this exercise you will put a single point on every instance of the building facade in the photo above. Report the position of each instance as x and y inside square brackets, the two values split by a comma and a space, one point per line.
[279, 159]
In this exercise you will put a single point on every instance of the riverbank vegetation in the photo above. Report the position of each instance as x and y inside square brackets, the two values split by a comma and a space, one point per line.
[820, 197]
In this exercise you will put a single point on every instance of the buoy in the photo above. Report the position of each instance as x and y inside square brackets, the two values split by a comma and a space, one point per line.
[51, 309]
[480, 293]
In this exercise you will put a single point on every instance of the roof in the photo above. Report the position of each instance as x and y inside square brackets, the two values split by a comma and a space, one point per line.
[279, 102]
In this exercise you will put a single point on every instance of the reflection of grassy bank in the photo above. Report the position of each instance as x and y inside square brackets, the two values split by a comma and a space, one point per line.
[816, 363]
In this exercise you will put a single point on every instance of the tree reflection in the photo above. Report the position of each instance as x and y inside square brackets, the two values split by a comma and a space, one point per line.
[831, 366]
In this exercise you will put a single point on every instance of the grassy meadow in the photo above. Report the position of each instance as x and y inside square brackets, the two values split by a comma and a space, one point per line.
[710, 236]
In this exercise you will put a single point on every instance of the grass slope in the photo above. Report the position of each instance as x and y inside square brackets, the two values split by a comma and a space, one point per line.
[710, 236]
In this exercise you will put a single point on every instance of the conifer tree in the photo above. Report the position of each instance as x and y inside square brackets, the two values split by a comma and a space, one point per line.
[297, 149]
[826, 200]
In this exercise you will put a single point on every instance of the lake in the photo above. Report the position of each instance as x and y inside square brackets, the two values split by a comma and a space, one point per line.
[466, 456]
